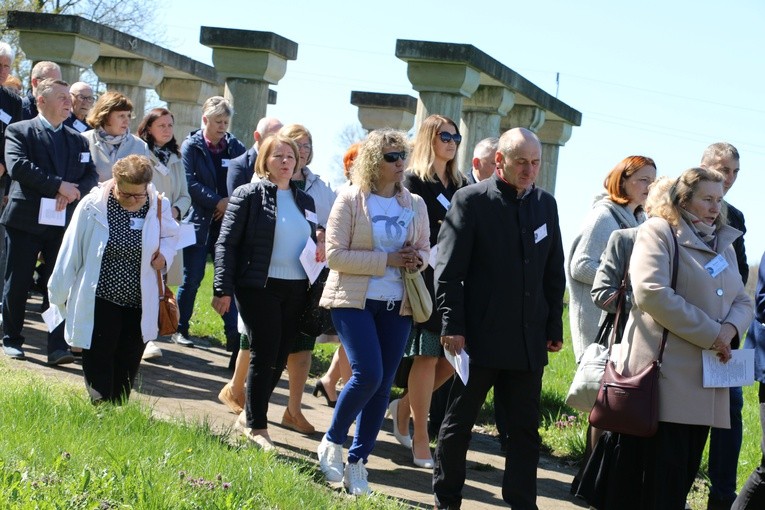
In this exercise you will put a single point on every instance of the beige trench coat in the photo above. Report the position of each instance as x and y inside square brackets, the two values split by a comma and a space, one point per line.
[693, 315]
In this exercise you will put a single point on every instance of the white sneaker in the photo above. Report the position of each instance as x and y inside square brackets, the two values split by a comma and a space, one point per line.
[151, 351]
[330, 459]
[355, 479]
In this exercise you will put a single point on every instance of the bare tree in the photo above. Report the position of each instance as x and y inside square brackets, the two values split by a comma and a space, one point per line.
[349, 135]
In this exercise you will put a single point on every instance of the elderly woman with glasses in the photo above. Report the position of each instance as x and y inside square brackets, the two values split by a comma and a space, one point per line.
[105, 279]
[376, 229]
[110, 139]
[433, 175]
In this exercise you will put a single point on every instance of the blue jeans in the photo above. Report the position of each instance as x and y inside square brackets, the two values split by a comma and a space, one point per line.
[194, 264]
[724, 447]
[374, 339]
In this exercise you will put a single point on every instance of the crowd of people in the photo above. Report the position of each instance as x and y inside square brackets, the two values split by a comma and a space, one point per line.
[92, 213]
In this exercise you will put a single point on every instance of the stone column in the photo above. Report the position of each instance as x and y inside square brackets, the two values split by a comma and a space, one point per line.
[378, 111]
[525, 116]
[553, 134]
[249, 61]
[442, 86]
[184, 99]
[132, 77]
[481, 115]
[71, 52]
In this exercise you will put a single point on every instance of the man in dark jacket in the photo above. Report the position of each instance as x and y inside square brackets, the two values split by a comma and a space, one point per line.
[499, 285]
[725, 444]
[242, 168]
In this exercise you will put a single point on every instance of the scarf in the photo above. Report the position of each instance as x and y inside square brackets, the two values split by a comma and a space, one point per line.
[707, 233]
[163, 154]
[112, 142]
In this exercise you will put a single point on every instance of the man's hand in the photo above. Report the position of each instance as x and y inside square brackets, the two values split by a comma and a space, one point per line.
[554, 345]
[221, 304]
[69, 190]
[61, 202]
[220, 209]
[453, 343]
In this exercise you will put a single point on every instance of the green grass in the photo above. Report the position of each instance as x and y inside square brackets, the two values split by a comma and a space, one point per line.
[57, 451]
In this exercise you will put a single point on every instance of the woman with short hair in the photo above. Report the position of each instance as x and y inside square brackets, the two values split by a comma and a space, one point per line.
[115, 241]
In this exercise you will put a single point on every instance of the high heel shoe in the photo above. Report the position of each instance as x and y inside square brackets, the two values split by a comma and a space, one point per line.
[404, 440]
[319, 388]
[423, 463]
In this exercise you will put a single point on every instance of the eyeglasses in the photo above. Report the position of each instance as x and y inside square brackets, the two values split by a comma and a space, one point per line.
[85, 99]
[136, 196]
[305, 146]
[446, 137]
[392, 157]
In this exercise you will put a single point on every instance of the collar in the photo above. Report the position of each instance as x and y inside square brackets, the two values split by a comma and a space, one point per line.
[48, 125]
[519, 194]
[215, 148]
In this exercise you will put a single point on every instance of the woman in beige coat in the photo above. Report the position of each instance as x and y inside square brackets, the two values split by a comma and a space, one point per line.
[708, 310]
[376, 229]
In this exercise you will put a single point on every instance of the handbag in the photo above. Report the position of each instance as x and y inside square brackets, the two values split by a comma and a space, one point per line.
[315, 320]
[419, 297]
[168, 307]
[592, 365]
[630, 404]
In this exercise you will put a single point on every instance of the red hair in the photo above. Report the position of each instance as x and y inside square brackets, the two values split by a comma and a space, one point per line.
[614, 182]
[348, 158]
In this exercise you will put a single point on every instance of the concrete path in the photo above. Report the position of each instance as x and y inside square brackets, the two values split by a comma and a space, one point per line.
[185, 382]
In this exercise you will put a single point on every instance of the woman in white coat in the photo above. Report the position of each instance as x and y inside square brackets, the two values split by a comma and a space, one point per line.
[114, 245]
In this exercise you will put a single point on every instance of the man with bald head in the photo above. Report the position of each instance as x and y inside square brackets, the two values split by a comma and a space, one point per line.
[41, 71]
[499, 286]
[242, 168]
[83, 100]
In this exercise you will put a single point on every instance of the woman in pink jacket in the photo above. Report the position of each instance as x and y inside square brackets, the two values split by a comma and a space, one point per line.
[376, 229]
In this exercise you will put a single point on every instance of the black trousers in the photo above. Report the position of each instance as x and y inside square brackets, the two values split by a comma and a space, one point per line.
[752, 495]
[23, 248]
[520, 392]
[111, 363]
[271, 317]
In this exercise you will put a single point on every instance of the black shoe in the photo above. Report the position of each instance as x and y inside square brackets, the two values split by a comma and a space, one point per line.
[60, 357]
[718, 504]
[319, 388]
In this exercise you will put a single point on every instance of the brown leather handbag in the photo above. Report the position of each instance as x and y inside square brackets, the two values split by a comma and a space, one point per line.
[168, 307]
[630, 405]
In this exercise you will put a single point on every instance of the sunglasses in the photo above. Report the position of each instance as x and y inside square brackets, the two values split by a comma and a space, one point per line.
[392, 157]
[446, 137]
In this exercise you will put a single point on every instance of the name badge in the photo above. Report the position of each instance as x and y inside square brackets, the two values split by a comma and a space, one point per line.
[79, 126]
[5, 117]
[716, 266]
[443, 201]
[84, 157]
[311, 216]
[136, 223]
[540, 233]
[224, 163]
[406, 217]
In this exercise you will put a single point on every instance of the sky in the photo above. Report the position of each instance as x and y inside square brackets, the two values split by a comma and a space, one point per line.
[662, 79]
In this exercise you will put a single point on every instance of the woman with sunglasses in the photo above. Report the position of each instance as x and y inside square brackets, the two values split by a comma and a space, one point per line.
[105, 277]
[433, 175]
[376, 229]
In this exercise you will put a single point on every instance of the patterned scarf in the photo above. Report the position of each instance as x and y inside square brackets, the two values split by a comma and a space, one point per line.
[163, 154]
[112, 142]
[707, 233]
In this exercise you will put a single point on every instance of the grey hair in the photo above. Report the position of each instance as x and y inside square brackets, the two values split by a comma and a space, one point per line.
[40, 68]
[44, 87]
[7, 51]
[486, 147]
[718, 151]
[216, 106]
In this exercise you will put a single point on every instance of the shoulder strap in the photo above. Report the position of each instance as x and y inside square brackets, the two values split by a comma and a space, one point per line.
[160, 284]
[675, 259]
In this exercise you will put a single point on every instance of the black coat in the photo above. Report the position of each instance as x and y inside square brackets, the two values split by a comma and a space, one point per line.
[246, 239]
[429, 191]
[499, 278]
[241, 170]
[736, 220]
[10, 103]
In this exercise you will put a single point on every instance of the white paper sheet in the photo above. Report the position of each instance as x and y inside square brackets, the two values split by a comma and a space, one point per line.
[461, 364]
[186, 236]
[308, 259]
[49, 215]
[738, 371]
[52, 317]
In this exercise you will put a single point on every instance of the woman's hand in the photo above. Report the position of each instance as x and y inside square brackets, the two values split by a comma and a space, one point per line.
[158, 261]
[321, 251]
[723, 340]
[221, 304]
[406, 257]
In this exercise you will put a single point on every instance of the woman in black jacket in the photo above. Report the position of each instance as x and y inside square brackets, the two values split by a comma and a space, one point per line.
[264, 230]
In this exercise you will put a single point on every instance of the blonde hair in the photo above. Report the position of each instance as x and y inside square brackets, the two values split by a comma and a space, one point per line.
[267, 146]
[297, 131]
[133, 169]
[679, 192]
[424, 155]
[217, 106]
[366, 167]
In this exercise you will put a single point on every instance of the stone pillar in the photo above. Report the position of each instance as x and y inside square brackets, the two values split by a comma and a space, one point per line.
[525, 116]
[69, 51]
[442, 86]
[481, 115]
[553, 134]
[249, 61]
[132, 77]
[378, 111]
[184, 99]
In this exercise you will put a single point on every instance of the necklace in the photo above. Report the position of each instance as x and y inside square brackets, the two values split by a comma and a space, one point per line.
[381, 204]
